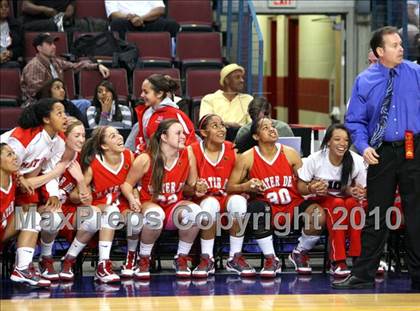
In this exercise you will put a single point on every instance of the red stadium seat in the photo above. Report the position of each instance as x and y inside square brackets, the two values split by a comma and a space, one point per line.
[9, 86]
[140, 75]
[90, 79]
[200, 82]
[9, 117]
[154, 48]
[191, 15]
[90, 8]
[61, 44]
[195, 49]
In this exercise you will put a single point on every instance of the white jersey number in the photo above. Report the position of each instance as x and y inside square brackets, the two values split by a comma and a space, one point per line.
[280, 197]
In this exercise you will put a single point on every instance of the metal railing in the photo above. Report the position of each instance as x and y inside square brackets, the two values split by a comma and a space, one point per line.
[244, 42]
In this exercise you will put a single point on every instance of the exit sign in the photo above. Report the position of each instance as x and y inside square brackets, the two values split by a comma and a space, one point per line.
[282, 3]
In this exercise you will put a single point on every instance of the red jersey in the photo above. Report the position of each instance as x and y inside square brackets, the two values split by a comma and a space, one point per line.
[279, 181]
[216, 174]
[163, 113]
[7, 202]
[106, 182]
[174, 179]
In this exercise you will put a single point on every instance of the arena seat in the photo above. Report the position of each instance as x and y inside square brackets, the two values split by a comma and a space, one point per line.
[196, 49]
[10, 90]
[90, 8]
[154, 48]
[200, 82]
[191, 15]
[9, 117]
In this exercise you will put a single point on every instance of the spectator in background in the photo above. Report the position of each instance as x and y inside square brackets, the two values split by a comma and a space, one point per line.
[259, 107]
[47, 15]
[55, 89]
[229, 103]
[157, 93]
[145, 15]
[46, 66]
[105, 109]
[11, 38]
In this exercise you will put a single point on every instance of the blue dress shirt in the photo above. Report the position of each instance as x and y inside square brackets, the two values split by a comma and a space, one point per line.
[366, 100]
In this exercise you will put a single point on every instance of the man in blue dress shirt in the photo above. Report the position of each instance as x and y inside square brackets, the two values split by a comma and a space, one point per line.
[385, 103]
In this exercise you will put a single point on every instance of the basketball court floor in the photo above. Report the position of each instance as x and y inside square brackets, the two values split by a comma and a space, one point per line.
[221, 292]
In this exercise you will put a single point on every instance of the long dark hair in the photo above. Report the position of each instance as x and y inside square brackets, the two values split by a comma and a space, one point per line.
[45, 90]
[33, 115]
[164, 84]
[93, 147]
[347, 163]
[96, 102]
[158, 163]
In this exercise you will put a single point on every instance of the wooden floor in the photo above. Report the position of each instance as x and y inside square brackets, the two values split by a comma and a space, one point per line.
[334, 302]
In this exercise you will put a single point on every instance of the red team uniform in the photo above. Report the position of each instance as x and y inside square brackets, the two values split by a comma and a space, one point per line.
[7, 205]
[172, 186]
[34, 148]
[106, 182]
[279, 182]
[217, 174]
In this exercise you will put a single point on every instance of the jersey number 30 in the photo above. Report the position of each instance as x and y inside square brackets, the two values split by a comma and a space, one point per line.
[279, 197]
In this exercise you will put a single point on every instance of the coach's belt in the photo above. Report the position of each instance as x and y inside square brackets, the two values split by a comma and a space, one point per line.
[400, 143]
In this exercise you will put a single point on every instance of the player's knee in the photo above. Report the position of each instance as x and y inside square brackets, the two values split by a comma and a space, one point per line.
[91, 223]
[237, 206]
[108, 216]
[154, 217]
[32, 224]
[51, 222]
[134, 224]
[209, 209]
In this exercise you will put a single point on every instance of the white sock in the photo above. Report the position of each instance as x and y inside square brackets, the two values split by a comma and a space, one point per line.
[132, 245]
[183, 248]
[207, 247]
[24, 256]
[104, 250]
[306, 242]
[46, 249]
[145, 249]
[266, 245]
[235, 245]
[75, 248]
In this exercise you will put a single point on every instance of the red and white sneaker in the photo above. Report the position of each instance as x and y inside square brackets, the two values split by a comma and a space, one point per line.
[240, 266]
[272, 266]
[66, 273]
[46, 265]
[339, 269]
[143, 268]
[127, 270]
[182, 270]
[29, 276]
[301, 262]
[205, 267]
[104, 273]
